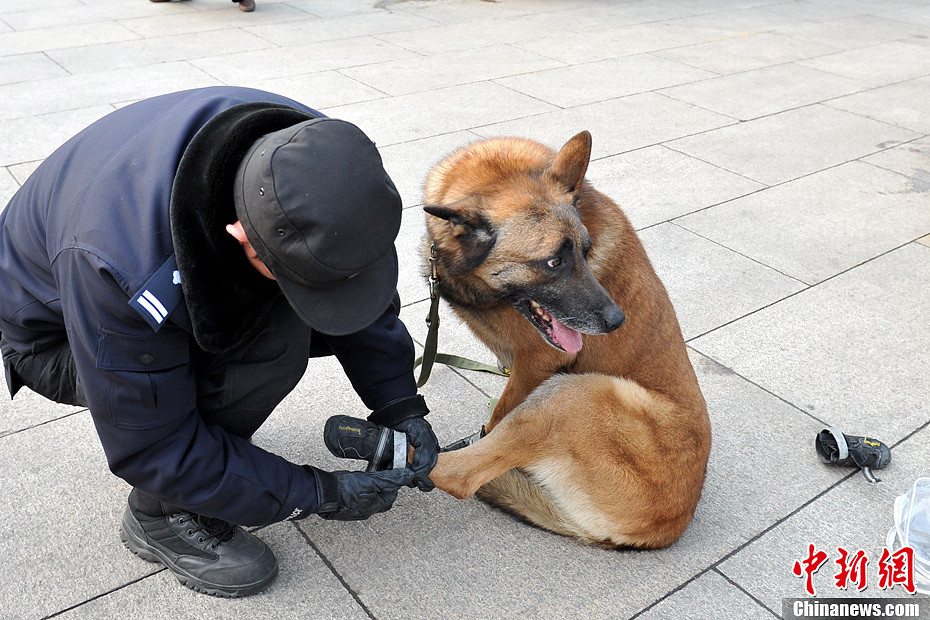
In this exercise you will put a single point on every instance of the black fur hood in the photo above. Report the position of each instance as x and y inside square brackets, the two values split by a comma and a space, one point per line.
[225, 296]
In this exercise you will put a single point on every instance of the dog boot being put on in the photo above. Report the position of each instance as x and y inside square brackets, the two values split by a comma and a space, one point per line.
[836, 448]
[354, 438]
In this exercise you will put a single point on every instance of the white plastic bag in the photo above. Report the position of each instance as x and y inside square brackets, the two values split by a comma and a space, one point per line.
[912, 528]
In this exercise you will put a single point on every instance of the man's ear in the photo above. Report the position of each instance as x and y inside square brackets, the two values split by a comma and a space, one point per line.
[237, 232]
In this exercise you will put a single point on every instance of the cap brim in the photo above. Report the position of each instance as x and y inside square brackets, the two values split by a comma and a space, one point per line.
[348, 308]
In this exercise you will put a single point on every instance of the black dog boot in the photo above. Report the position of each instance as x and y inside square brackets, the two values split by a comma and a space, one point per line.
[836, 448]
[353, 438]
[207, 555]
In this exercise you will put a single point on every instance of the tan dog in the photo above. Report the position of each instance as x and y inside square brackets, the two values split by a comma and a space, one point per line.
[602, 436]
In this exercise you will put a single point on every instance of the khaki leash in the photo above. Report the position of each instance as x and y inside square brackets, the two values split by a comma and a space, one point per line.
[430, 356]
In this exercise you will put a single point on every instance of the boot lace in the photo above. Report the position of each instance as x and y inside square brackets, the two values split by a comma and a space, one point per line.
[209, 527]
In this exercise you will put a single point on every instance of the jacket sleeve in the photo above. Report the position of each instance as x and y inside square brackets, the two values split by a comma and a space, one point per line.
[378, 360]
[141, 391]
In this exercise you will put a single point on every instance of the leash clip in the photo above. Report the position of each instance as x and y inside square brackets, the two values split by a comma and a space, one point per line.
[433, 273]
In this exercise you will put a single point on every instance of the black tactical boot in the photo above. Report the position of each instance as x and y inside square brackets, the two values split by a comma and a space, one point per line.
[207, 555]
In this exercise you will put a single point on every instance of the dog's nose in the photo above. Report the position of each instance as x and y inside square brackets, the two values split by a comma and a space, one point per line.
[613, 318]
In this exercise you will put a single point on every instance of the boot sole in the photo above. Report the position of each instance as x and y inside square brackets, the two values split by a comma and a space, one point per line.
[132, 540]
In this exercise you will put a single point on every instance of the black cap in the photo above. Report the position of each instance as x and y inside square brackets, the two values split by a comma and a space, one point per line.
[322, 214]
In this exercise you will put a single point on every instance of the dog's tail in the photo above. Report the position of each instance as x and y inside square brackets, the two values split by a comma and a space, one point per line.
[515, 492]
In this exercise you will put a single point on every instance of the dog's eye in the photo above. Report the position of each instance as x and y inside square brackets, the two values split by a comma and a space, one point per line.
[554, 262]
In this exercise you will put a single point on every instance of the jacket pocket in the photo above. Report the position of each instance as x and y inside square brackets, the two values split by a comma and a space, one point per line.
[149, 379]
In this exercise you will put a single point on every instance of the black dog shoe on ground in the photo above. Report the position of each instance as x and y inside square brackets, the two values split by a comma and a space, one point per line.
[353, 438]
[206, 555]
[836, 448]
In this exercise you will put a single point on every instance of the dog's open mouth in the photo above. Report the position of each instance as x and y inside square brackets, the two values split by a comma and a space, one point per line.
[557, 333]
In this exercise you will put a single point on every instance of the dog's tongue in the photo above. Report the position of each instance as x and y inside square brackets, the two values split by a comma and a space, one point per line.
[568, 338]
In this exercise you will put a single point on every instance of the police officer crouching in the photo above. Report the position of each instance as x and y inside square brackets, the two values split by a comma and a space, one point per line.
[171, 268]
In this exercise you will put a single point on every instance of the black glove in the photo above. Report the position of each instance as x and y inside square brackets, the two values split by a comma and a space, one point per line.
[356, 495]
[407, 416]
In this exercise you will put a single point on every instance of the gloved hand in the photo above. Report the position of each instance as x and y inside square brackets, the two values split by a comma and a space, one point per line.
[407, 416]
[356, 495]
[425, 449]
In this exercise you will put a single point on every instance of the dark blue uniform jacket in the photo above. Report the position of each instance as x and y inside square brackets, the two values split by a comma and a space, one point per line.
[84, 235]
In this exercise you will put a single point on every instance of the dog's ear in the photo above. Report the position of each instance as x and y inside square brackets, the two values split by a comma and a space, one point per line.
[571, 162]
[471, 228]
[466, 216]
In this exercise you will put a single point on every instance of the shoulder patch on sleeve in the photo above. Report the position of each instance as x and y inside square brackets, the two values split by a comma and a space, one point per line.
[160, 295]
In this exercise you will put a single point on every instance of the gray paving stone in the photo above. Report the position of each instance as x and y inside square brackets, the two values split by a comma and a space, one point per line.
[43, 97]
[828, 10]
[656, 184]
[101, 12]
[318, 90]
[858, 31]
[737, 19]
[332, 8]
[299, 59]
[852, 351]
[581, 84]
[791, 144]
[710, 285]
[25, 67]
[901, 104]
[459, 12]
[410, 75]
[62, 37]
[409, 162]
[60, 510]
[709, 594]
[140, 52]
[457, 36]
[217, 16]
[14, 6]
[747, 52]
[617, 126]
[29, 139]
[911, 159]
[877, 65]
[305, 587]
[764, 568]
[436, 112]
[8, 186]
[598, 16]
[411, 284]
[850, 213]
[27, 409]
[299, 32]
[832, 10]
[21, 172]
[604, 44]
[911, 15]
[762, 92]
